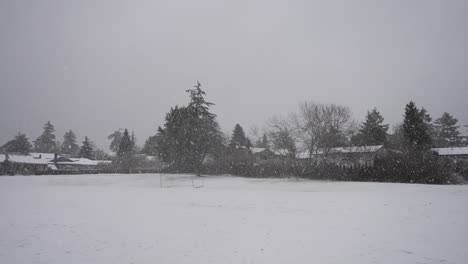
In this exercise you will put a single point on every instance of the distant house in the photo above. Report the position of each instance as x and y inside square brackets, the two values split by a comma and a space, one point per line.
[452, 152]
[41, 163]
[363, 156]
[262, 153]
[148, 164]
[459, 153]
[24, 164]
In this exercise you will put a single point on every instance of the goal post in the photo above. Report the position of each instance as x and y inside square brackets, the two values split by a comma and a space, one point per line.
[178, 180]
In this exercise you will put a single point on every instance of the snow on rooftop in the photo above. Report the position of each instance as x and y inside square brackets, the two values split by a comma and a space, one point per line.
[451, 151]
[356, 149]
[257, 150]
[27, 159]
[48, 158]
[305, 154]
[84, 161]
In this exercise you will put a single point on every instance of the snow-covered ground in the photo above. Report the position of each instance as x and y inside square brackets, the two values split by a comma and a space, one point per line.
[130, 219]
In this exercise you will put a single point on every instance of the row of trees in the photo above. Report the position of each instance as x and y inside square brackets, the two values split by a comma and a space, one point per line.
[47, 143]
[122, 143]
[190, 136]
[324, 126]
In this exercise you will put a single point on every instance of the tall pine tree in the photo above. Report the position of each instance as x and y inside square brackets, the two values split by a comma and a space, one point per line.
[446, 131]
[126, 152]
[46, 141]
[428, 122]
[150, 147]
[415, 128]
[238, 138]
[373, 130]
[69, 145]
[86, 150]
[190, 133]
[20, 144]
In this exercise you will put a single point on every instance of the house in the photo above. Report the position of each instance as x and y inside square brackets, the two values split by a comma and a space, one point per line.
[42, 163]
[354, 156]
[262, 153]
[148, 164]
[457, 152]
[459, 155]
[23, 164]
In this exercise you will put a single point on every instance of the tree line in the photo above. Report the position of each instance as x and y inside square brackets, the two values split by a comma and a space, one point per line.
[190, 140]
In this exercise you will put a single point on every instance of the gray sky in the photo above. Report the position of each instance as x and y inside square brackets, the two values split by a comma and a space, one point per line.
[95, 66]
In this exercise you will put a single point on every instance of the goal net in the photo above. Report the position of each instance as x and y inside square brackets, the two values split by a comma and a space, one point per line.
[178, 180]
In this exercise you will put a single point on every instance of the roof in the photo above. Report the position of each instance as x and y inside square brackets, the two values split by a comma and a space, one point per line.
[359, 149]
[26, 159]
[305, 154]
[48, 158]
[255, 150]
[451, 151]
[353, 149]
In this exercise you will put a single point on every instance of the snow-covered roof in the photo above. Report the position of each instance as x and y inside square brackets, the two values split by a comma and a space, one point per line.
[451, 151]
[305, 154]
[83, 161]
[257, 150]
[48, 158]
[360, 149]
[45, 156]
[26, 159]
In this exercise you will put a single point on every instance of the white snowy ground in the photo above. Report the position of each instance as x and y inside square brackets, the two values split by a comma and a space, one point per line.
[130, 219]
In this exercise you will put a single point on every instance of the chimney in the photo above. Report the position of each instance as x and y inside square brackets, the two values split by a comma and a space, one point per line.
[55, 157]
[7, 157]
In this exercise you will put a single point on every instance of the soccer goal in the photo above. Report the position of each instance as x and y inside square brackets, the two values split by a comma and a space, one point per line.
[180, 180]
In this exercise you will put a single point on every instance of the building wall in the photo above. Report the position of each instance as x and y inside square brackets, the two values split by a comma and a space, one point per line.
[350, 159]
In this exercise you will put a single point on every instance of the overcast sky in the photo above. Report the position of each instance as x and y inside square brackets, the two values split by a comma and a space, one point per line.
[96, 66]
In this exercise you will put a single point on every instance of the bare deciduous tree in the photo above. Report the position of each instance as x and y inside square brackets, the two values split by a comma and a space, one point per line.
[315, 128]
[282, 134]
[322, 126]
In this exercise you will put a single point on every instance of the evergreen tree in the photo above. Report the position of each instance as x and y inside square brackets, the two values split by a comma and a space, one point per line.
[115, 138]
[396, 140]
[86, 150]
[20, 144]
[133, 140]
[173, 141]
[373, 131]
[126, 151]
[150, 147]
[69, 145]
[447, 134]
[46, 142]
[415, 127]
[238, 138]
[428, 122]
[189, 133]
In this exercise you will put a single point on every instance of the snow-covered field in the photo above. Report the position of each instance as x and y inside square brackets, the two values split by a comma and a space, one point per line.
[130, 219]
